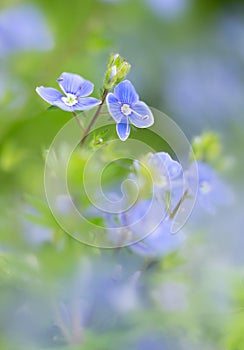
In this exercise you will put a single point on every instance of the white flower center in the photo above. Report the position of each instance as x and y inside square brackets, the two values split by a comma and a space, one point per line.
[205, 187]
[70, 99]
[125, 109]
[162, 181]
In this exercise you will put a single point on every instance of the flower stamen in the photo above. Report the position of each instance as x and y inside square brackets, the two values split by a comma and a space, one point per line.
[143, 117]
[125, 109]
[205, 187]
[70, 100]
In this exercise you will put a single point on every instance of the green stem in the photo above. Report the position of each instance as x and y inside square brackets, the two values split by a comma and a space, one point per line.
[79, 122]
[173, 213]
[92, 122]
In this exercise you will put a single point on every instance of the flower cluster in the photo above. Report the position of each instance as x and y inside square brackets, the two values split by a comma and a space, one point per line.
[151, 220]
[123, 104]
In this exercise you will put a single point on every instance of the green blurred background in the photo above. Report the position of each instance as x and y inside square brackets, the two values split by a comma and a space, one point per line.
[187, 60]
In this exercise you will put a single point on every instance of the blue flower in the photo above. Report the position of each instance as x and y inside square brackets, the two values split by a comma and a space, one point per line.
[168, 178]
[75, 90]
[149, 227]
[166, 168]
[158, 242]
[211, 190]
[125, 107]
[81, 298]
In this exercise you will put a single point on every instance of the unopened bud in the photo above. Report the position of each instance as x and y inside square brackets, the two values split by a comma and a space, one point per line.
[117, 70]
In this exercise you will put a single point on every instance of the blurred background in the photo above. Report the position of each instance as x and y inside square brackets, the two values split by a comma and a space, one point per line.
[187, 60]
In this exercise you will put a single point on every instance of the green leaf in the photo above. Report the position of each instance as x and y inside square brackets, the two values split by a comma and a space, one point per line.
[52, 108]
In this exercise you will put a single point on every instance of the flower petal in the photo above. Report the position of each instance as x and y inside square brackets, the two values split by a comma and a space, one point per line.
[166, 164]
[126, 93]
[141, 116]
[85, 89]
[50, 95]
[114, 107]
[85, 103]
[60, 104]
[123, 129]
[75, 84]
[159, 243]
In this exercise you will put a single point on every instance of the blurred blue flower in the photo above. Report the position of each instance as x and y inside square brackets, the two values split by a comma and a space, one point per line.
[167, 169]
[124, 106]
[75, 89]
[204, 90]
[159, 240]
[159, 243]
[13, 88]
[82, 302]
[230, 34]
[23, 28]
[36, 234]
[167, 177]
[172, 296]
[211, 190]
[168, 8]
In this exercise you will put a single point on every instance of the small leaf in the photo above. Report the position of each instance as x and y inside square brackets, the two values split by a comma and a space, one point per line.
[52, 108]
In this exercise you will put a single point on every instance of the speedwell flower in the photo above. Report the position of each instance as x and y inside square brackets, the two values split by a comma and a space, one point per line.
[211, 190]
[156, 228]
[75, 90]
[124, 106]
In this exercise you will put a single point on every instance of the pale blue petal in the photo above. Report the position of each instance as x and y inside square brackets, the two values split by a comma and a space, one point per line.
[114, 107]
[211, 191]
[159, 240]
[111, 99]
[50, 95]
[141, 116]
[75, 84]
[85, 103]
[60, 104]
[126, 93]
[85, 89]
[173, 167]
[123, 129]
[159, 243]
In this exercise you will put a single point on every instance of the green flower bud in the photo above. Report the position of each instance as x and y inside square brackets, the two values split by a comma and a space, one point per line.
[117, 70]
[207, 147]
